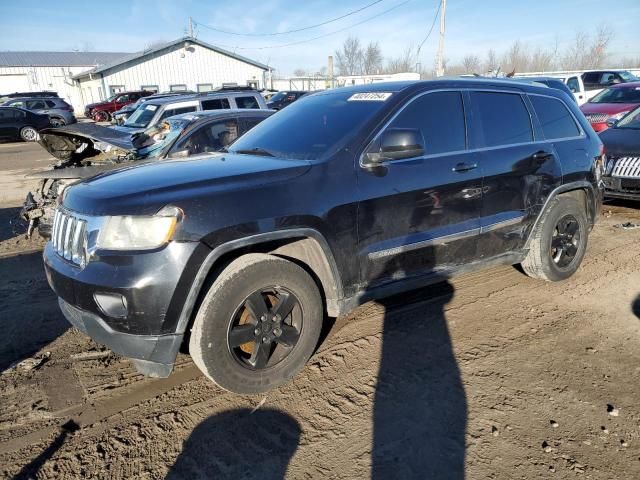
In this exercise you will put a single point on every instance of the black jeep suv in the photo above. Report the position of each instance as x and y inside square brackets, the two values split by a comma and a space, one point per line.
[387, 187]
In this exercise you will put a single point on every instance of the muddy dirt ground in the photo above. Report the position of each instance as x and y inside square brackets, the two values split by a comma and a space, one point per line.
[491, 375]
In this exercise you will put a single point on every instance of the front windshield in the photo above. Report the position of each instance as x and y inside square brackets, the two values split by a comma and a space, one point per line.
[142, 116]
[112, 97]
[618, 95]
[312, 126]
[278, 96]
[152, 142]
[630, 120]
[628, 76]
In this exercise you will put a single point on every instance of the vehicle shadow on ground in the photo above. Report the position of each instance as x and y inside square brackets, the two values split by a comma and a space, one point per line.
[635, 307]
[239, 444]
[29, 309]
[11, 225]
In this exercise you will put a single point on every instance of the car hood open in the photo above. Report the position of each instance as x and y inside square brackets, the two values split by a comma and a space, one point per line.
[74, 143]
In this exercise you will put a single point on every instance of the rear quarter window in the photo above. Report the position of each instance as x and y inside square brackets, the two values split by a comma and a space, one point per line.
[555, 119]
[504, 118]
[215, 104]
[247, 102]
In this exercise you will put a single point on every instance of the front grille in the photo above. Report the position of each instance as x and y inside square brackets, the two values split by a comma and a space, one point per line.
[69, 237]
[630, 185]
[597, 117]
[627, 167]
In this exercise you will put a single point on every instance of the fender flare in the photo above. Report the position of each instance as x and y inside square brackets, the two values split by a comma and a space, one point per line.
[220, 250]
[567, 187]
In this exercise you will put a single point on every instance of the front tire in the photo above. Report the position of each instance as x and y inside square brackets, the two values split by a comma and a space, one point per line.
[29, 134]
[258, 324]
[101, 116]
[559, 241]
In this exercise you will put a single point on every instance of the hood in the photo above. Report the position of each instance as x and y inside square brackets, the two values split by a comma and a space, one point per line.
[610, 108]
[75, 172]
[74, 143]
[621, 141]
[126, 130]
[145, 189]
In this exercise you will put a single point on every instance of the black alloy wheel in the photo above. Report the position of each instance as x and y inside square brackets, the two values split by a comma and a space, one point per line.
[265, 328]
[565, 241]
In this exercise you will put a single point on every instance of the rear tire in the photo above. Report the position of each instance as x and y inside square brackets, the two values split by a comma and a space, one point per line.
[101, 116]
[57, 122]
[239, 338]
[29, 134]
[559, 241]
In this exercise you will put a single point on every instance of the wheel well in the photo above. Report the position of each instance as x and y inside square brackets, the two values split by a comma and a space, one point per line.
[583, 196]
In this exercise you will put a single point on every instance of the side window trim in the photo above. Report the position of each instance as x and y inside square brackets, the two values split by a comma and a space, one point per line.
[463, 97]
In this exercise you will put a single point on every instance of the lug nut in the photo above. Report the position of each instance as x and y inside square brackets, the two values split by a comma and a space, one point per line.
[277, 332]
[264, 339]
[263, 318]
[275, 318]
[257, 331]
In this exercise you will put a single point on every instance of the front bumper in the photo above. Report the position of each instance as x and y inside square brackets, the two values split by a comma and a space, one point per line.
[622, 188]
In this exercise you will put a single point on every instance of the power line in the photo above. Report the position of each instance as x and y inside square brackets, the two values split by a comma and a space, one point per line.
[318, 37]
[433, 24]
[228, 32]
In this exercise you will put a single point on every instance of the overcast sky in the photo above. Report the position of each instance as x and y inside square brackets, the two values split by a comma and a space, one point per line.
[473, 26]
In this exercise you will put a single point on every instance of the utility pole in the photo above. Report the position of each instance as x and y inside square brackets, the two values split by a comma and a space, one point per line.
[440, 56]
[191, 27]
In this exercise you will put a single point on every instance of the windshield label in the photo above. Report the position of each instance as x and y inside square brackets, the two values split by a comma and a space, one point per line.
[369, 97]
[153, 108]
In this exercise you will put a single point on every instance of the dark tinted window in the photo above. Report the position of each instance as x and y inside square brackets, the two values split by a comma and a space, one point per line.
[176, 111]
[440, 117]
[321, 124]
[504, 118]
[215, 104]
[35, 104]
[554, 117]
[247, 102]
[50, 103]
[11, 114]
[591, 77]
[618, 95]
[573, 84]
[250, 122]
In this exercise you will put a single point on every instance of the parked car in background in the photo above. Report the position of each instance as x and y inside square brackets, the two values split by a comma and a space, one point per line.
[612, 103]
[282, 99]
[120, 116]
[5, 97]
[101, 111]
[87, 149]
[18, 123]
[622, 146]
[153, 112]
[232, 253]
[551, 82]
[59, 112]
[599, 79]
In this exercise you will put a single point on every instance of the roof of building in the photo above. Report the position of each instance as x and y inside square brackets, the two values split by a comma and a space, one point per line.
[132, 57]
[58, 59]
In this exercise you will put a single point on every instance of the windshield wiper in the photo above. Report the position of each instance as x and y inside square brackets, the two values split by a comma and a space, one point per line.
[254, 151]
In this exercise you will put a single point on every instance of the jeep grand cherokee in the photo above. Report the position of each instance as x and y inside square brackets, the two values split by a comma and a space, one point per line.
[344, 196]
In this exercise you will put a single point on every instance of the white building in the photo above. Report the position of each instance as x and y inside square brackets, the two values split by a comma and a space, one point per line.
[54, 71]
[184, 64]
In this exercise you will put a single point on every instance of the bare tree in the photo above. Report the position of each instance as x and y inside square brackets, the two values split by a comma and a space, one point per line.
[403, 63]
[471, 64]
[349, 57]
[372, 59]
[491, 63]
[300, 72]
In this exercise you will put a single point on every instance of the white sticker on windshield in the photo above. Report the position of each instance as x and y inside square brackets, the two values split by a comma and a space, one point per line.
[153, 108]
[369, 97]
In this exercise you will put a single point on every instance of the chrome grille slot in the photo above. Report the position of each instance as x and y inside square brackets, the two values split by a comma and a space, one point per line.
[627, 167]
[69, 237]
[597, 117]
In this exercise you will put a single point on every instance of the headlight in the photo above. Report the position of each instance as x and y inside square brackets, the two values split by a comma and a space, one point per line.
[138, 232]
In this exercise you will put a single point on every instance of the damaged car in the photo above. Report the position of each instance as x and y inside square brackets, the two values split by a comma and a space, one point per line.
[84, 150]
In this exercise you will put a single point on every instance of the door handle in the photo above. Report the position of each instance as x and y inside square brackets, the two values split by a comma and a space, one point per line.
[464, 167]
[542, 156]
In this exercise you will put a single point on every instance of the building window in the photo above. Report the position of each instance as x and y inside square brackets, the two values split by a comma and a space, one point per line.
[252, 84]
[116, 89]
[204, 87]
[150, 88]
[180, 87]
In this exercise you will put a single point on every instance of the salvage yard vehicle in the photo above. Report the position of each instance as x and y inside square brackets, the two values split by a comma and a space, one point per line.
[88, 149]
[611, 104]
[120, 116]
[599, 79]
[101, 111]
[152, 112]
[59, 112]
[622, 146]
[282, 99]
[8, 96]
[242, 254]
[20, 124]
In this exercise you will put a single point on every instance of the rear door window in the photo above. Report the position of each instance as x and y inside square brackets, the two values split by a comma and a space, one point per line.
[504, 118]
[36, 105]
[247, 102]
[555, 119]
[215, 104]
[440, 118]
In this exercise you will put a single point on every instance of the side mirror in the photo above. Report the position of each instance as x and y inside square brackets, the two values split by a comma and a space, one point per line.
[180, 154]
[397, 144]
[611, 122]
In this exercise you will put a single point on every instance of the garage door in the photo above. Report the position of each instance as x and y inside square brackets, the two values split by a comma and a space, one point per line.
[14, 83]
